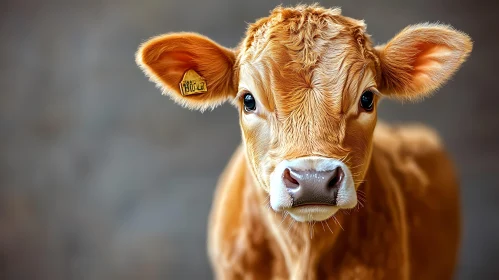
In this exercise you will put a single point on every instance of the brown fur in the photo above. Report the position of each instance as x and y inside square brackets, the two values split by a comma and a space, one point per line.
[307, 67]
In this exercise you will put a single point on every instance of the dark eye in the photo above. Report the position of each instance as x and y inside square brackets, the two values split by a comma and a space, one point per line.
[367, 100]
[249, 102]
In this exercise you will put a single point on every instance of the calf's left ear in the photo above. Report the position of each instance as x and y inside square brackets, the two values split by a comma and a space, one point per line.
[192, 69]
[420, 59]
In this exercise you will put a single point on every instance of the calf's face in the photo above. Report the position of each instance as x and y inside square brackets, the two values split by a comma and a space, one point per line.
[306, 82]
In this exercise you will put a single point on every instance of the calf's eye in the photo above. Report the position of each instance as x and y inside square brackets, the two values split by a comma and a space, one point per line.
[367, 100]
[249, 102]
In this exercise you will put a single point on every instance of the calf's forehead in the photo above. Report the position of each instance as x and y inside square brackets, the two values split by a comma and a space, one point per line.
[287, 85]
[282, 82]
[291, 58]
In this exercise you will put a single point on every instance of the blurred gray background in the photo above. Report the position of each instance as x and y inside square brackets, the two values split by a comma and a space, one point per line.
[103, 178]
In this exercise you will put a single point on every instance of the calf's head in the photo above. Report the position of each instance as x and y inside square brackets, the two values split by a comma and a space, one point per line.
[306, 82]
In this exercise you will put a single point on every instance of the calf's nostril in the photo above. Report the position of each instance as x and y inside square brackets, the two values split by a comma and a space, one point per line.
[289, 180]
[336, 178]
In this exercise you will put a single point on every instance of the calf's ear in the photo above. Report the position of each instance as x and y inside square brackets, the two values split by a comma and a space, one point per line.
[192, 69]
[420, 59]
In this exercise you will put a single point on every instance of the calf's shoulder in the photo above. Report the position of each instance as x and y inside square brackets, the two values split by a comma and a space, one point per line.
[416, 157]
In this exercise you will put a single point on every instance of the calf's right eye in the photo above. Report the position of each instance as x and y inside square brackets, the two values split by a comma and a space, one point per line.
[249, 102]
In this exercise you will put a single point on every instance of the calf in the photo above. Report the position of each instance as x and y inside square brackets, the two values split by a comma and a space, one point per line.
[307, 81]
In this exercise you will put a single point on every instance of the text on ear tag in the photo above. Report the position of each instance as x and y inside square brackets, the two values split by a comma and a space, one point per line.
[192, 83]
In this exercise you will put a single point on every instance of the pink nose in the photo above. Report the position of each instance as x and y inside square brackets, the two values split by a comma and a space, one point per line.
[312, 187]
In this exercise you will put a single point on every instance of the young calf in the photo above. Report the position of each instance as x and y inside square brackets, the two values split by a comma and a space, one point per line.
[306, 81]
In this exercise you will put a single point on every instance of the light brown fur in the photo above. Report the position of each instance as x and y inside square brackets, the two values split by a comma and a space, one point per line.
[307, 67]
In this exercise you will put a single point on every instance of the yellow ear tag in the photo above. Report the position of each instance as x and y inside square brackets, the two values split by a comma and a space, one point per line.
[192, 83]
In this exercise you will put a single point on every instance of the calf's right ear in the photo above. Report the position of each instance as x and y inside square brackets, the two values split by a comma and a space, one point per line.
[192, 69]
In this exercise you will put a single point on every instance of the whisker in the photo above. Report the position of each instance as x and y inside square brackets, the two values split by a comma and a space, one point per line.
[362, 196]
[327, 224]
[323, 228]
[357, 166]
[266, 200]
[359, 203]
[338, 222]
[283, 218]
[290, 225]
[343, 158]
